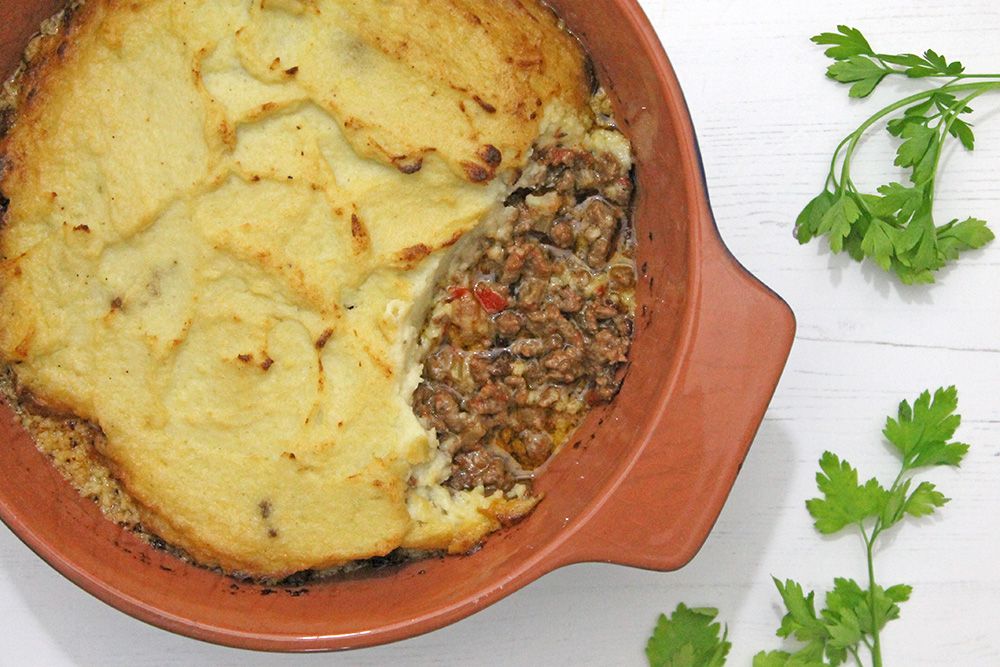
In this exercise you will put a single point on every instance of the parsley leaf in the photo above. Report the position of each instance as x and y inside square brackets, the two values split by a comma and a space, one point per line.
[801, 620]
[783, 659]
[846, 43]
[922, 433]
[897, 229]
[924, 500]
[956, 236]
[864, 73]
[808, 222]
[878, 242]
[931, 64]
[881, 606]
[689, 638]
[844, 501]
[844, 615]
[837, 221]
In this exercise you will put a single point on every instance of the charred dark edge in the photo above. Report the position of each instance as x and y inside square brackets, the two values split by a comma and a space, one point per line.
[7, 111]
[19, 88]
[297, 582]
[51, 41]
[17, 91]
[590, 69]
[593, 80]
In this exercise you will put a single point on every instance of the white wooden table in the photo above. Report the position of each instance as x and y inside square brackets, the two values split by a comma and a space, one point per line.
[767, 121]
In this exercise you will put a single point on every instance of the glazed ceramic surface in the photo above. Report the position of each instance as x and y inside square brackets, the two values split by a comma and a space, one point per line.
[641, 483]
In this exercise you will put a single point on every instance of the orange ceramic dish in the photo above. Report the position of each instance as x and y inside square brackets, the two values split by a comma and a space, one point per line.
[641, 483]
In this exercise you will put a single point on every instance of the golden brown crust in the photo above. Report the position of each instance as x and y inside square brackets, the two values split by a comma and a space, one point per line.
[166, 375]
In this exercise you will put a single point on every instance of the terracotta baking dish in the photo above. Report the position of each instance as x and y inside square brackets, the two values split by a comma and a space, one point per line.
[641, 484]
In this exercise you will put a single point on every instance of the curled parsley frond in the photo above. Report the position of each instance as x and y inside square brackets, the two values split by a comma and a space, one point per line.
[895, 226]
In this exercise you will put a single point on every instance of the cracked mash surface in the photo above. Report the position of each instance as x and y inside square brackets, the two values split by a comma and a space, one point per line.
[223, 217]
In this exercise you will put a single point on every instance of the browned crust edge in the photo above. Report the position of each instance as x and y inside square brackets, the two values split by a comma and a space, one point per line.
[50, 44]
[21, 91]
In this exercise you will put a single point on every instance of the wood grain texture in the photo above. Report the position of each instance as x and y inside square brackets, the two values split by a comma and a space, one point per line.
[767, 121]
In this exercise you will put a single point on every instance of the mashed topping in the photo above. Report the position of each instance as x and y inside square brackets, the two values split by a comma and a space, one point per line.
[225, 222]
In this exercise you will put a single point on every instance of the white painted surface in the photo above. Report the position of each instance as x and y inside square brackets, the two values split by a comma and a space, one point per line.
[767, 120]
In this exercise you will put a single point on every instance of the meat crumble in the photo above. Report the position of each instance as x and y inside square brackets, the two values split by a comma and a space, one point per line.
[534, 329]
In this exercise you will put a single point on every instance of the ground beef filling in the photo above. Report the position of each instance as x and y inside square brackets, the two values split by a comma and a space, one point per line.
[536, 329]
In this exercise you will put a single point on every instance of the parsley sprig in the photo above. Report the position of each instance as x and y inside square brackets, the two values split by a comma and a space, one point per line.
[896, 226]
[850, 624]
[689, 638]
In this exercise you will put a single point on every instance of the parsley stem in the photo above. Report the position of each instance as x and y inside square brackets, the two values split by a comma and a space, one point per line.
[976, 76]
[945, 124]
[876, 647]
[855, 137]
[831, 176]
[878, 527]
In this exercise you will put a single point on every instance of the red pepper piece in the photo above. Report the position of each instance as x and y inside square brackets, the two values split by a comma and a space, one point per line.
[490, 300]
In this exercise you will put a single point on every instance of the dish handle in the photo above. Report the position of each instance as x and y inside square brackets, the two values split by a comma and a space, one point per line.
[666, 501]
